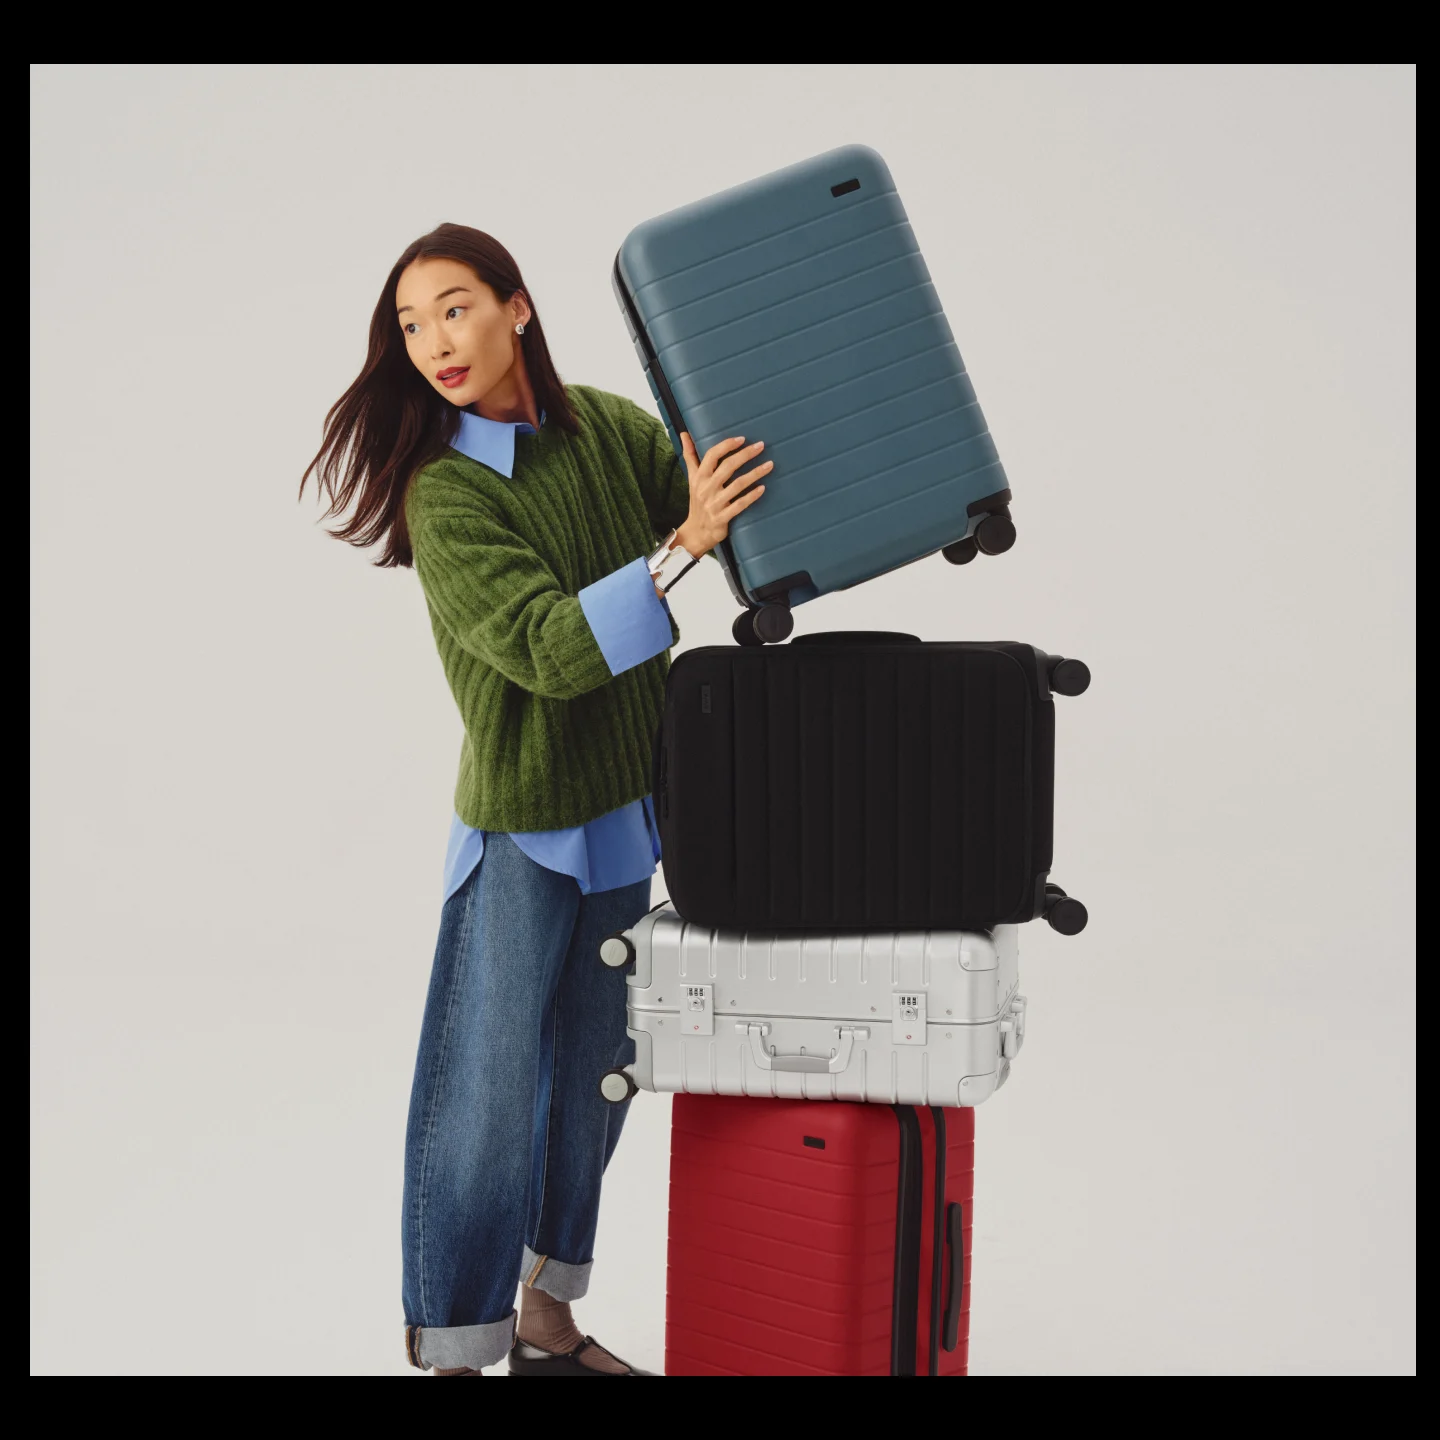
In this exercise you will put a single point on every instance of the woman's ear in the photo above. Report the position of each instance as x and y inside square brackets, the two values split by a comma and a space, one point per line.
[520, 308]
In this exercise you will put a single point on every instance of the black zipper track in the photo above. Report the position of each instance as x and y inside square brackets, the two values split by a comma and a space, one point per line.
[905, 1305]
[937, 1258]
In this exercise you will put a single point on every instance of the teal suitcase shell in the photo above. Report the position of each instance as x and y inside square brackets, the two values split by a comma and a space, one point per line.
[797, 310]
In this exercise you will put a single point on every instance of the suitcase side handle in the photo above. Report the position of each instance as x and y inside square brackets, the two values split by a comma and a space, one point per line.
[834, 1063]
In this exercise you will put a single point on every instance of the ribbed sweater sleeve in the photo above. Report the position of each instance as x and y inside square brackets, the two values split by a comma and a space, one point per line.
[504, 605]
[660, 471]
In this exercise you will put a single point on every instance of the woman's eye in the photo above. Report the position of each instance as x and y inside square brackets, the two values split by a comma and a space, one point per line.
[454, 311]
[411, 328]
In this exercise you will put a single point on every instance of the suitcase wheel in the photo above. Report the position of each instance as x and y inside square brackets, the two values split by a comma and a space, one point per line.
[1069, 677]
[962, 552]
[617, 1086]
[995, 534]
[617, 951]
[763, 625]
[1064, 914]
[744, 629]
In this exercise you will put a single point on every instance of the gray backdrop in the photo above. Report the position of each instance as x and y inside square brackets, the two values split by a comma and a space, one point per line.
[1186, 298]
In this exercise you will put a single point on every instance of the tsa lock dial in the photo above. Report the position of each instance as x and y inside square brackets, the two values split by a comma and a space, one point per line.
[907, 1023]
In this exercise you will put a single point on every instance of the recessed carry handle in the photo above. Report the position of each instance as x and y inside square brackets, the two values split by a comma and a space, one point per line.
[955, 1243]
[857, 637]
[766, 1058]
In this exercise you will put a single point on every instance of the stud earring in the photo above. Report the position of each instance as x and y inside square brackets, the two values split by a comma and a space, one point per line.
[519, 329]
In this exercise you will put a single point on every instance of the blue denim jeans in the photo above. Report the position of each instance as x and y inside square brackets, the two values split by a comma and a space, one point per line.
[508, 1135]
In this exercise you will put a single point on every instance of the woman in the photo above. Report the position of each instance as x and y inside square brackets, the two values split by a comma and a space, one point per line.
[530, 511]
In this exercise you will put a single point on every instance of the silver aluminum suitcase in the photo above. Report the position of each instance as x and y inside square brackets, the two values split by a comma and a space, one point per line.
[899, 1018]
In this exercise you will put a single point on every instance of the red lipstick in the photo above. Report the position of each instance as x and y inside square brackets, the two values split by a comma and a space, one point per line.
[454, 376]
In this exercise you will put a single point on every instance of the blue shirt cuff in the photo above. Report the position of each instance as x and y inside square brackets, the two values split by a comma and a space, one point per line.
[628, 619]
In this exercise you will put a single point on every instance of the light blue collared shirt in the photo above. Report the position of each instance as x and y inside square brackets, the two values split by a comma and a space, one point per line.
[631, 624]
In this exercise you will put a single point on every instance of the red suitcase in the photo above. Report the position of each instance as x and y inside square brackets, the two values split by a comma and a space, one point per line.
[818, 1238]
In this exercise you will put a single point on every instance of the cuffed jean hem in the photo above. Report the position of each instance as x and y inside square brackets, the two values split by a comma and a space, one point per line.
[557, 1279]
[455, 1347]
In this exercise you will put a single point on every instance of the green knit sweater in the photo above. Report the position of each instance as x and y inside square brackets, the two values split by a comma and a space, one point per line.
[551, 738]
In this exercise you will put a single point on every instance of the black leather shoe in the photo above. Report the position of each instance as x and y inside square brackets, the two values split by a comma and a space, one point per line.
[532, 1360]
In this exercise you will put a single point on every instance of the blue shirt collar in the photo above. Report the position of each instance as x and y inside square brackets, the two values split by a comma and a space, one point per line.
[491, 442]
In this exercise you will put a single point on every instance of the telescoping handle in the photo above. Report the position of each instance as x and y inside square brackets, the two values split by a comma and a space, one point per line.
[765, 1057]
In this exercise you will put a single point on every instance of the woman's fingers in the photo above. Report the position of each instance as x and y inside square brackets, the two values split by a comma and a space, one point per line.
[688, 452]
[740, 482]
[724, 472]
[717, 452]
[742, 502]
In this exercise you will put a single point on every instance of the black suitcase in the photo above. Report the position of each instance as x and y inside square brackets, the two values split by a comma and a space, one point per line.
[862, 781]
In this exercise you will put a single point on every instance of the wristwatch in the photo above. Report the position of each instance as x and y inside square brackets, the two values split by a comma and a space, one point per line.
[670, 562]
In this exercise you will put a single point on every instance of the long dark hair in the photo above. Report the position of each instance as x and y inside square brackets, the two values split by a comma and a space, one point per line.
[390, 423]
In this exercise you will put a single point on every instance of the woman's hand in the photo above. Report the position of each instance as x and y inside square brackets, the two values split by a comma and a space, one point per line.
[718, 493]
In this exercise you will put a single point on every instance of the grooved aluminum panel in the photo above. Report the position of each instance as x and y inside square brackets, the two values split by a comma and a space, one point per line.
[909, 1018]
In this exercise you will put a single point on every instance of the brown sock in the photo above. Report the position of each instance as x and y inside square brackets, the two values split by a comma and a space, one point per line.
[547, 1323]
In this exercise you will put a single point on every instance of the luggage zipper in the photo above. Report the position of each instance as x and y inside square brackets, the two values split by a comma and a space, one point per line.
[937, 1239]
[660, 774]
[905, 1304]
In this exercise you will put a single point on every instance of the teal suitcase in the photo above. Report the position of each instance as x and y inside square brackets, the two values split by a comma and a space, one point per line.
[797, 310]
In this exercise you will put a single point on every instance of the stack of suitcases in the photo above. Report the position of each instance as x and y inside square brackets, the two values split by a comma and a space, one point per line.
[854, 825]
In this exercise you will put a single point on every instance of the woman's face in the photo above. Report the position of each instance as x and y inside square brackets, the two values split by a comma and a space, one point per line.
[459, 334]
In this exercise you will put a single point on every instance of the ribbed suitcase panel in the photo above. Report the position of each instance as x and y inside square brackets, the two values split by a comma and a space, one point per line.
[693, 1335]
[782, 1254]
[844, 1302]
[791, 1252]
[782, 311]
[799, 1213]
[831, 244]
[854, 786]
[857, 1316]
[841, 1287]
[731, 1163]
[809, 1348]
